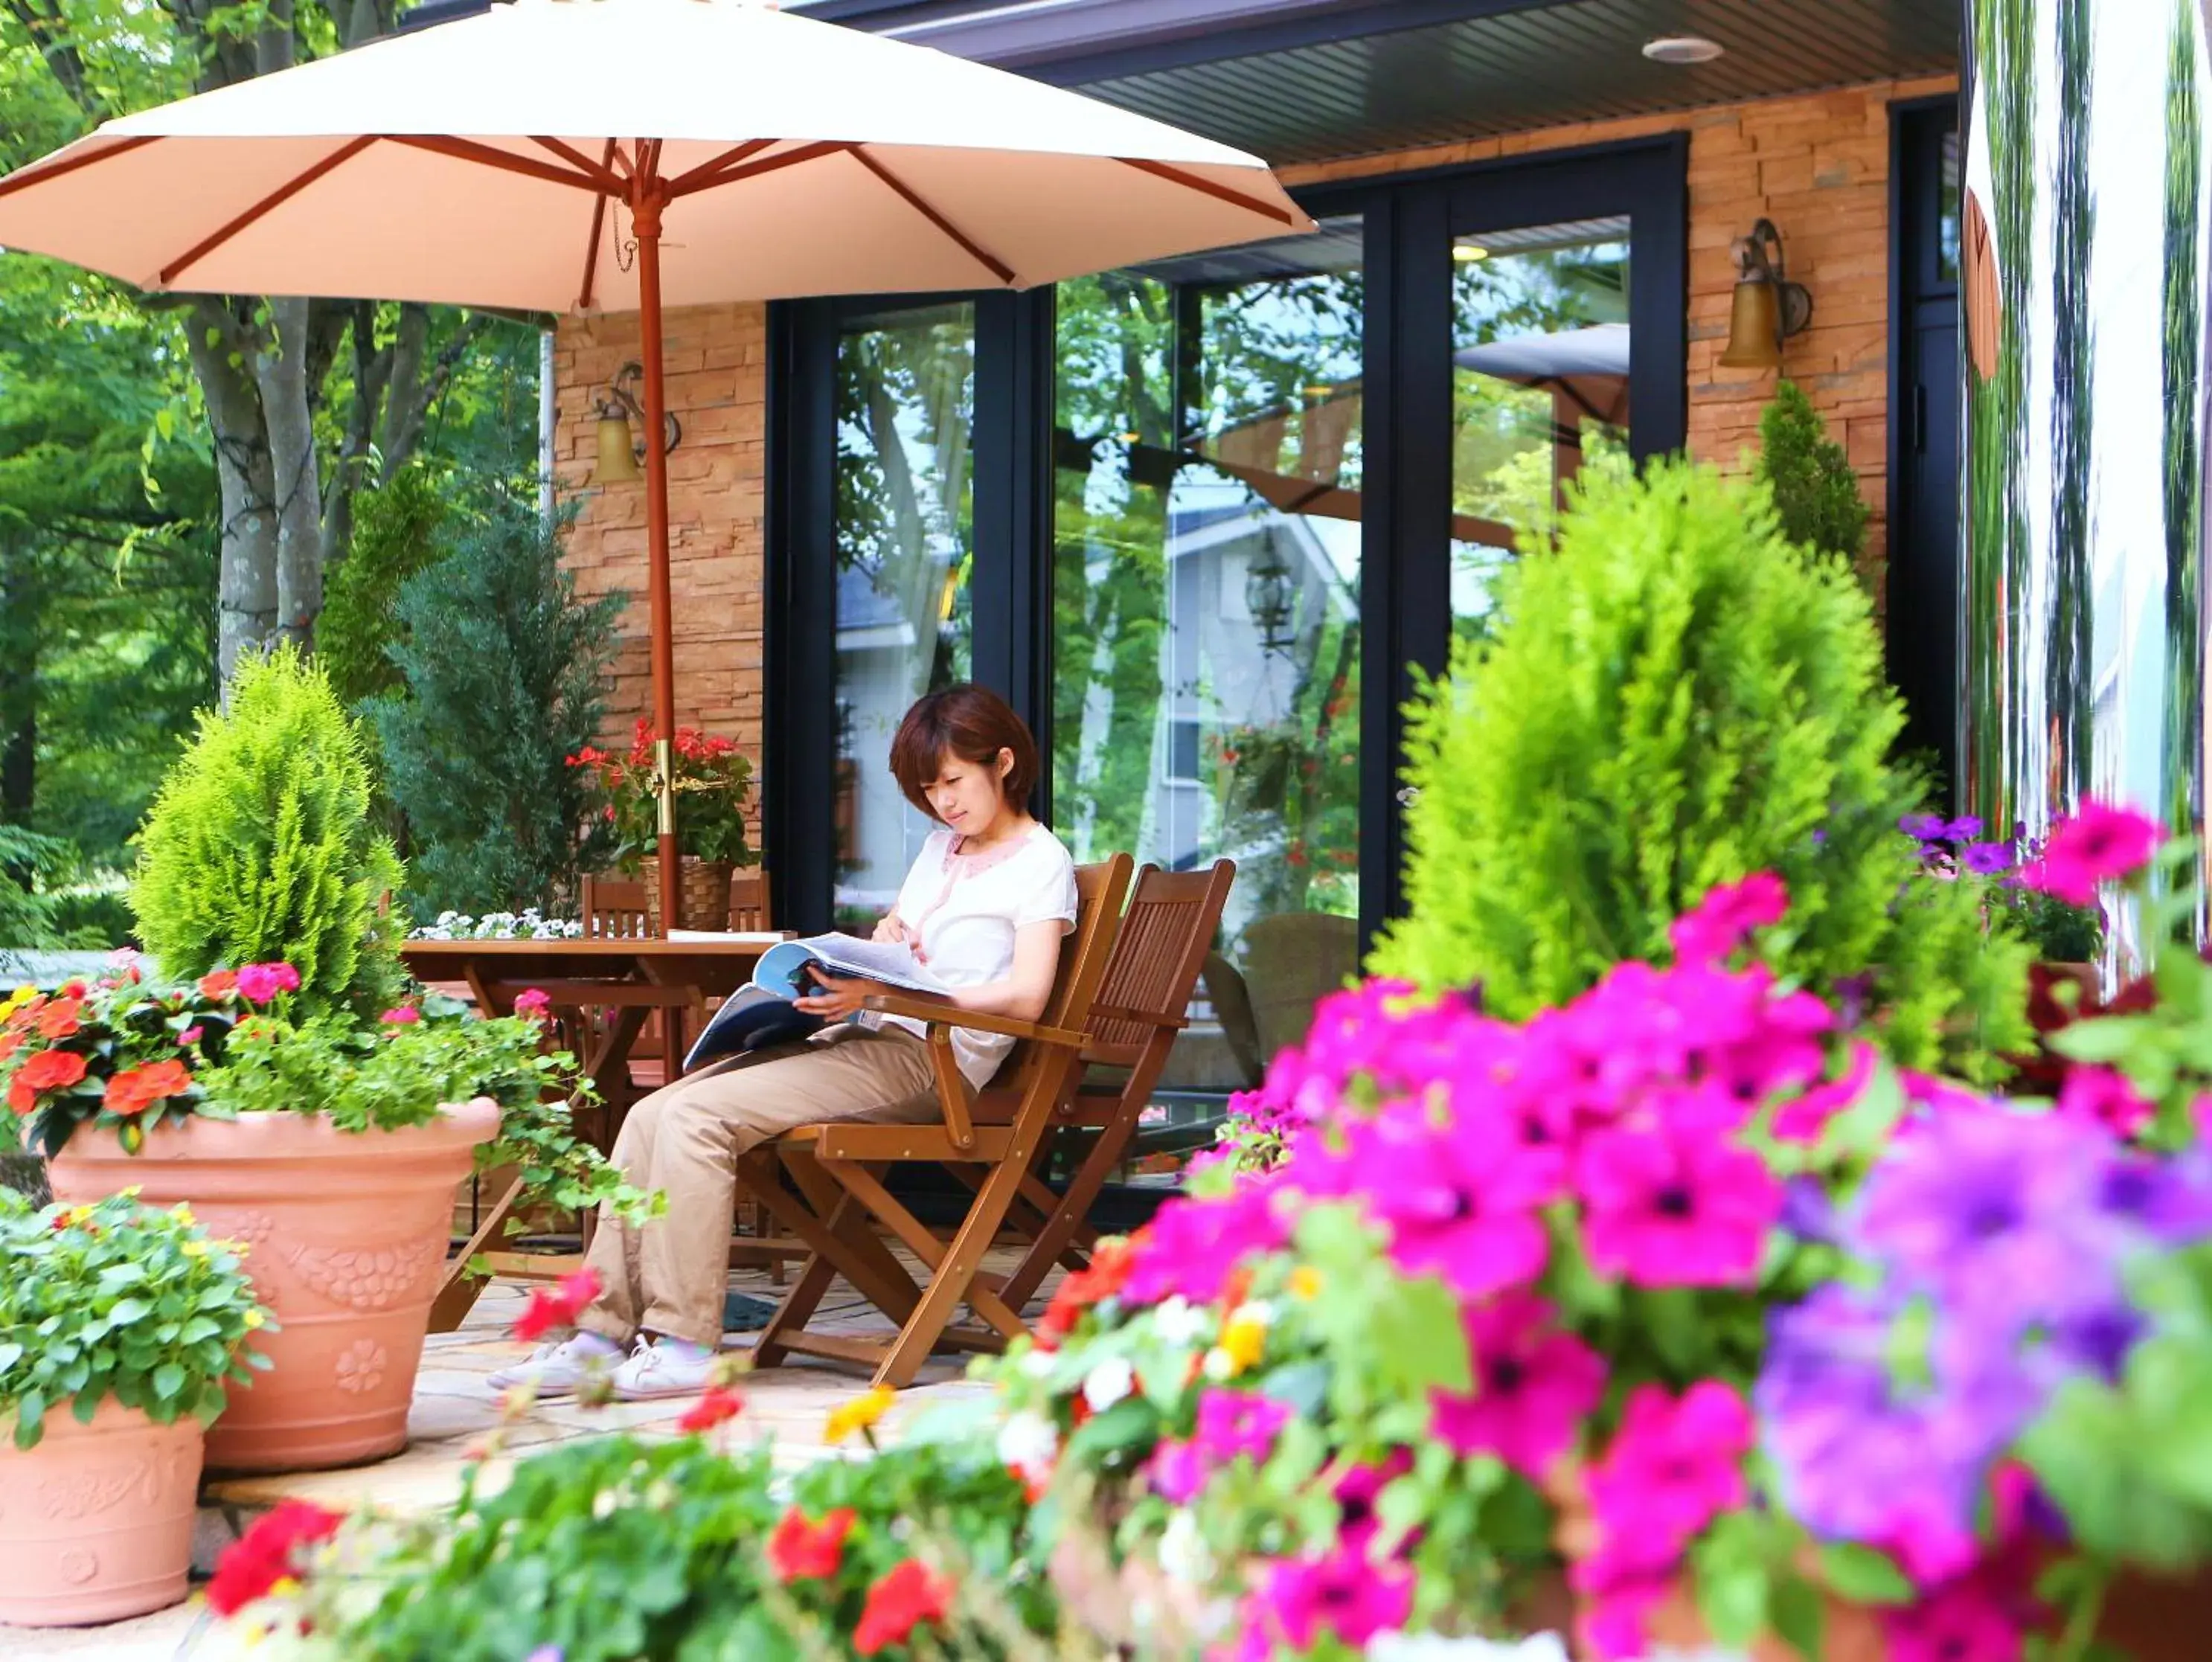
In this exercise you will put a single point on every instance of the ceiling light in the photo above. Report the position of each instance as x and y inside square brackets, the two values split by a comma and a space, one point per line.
[1682, 49]
[1464, 251]
[1317, 391]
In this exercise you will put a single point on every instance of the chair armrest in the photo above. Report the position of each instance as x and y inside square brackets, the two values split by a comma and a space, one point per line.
[941, 1011]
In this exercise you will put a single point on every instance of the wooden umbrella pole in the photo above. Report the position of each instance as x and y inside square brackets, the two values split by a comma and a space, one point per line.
[646, 205]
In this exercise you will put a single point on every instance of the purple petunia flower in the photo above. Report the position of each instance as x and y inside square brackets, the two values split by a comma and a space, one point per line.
[1988, 859]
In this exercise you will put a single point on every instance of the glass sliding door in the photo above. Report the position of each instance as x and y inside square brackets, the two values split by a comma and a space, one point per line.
[905, 401]
[1541, 341]
[1207, 630]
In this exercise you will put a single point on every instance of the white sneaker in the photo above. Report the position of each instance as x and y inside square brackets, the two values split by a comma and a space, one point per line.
[558, 1367]
[652, 1371]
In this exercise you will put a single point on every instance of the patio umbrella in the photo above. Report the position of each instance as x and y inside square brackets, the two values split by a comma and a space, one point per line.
[536, 156]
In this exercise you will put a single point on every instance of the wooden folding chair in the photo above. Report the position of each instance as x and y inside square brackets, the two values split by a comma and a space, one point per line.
[1134, 1022]
[838, 1167]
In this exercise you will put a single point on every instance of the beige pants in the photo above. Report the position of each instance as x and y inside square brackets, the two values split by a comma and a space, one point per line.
[669, 1276]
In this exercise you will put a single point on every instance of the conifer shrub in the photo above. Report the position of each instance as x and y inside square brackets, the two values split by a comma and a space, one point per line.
[1816, 490]
[395, 535]
[1676, 697]
[259, 848]
[504, 673]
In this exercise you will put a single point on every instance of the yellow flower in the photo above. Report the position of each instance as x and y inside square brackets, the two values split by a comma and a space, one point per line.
[1243, 1341]
[253, 1318]
[858, 1415]
[196, 1249]
[1305, 1281]
[182, 1212]
[78, 1214]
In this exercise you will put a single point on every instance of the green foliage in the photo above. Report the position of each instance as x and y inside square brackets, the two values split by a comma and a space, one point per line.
[118, 1301]
[27, 916]
[612, 1548]
[402, 1073]
[259, 848]
[396, 528]
[1815, 490]
[1676, 698]
[506, 672]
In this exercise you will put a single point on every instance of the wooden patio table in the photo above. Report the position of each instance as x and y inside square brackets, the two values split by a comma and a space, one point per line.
[631, 978]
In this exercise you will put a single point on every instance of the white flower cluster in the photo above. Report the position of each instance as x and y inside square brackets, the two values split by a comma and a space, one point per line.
[525, 925]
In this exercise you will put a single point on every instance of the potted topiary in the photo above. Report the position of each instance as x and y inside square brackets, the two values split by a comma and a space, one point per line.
[331, 1150]
[1679, 695]
[121, 1328]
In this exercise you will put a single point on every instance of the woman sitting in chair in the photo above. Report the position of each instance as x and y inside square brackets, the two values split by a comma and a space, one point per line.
[984, 909]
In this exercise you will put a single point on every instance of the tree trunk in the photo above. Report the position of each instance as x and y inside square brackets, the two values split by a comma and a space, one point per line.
[246, 586]
[18, 685]
[286, 406]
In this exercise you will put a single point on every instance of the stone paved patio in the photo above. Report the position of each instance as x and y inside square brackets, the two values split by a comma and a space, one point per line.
[455, 1409]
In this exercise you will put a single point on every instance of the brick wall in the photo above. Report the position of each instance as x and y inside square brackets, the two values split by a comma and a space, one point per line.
[716, 366]
[1817, 166]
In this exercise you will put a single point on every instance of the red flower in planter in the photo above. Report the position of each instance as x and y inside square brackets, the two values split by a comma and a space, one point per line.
[136, 1089]
[902, 1600]
[267, 1554]
[801, 1550]
[716, 1406]
[535, 1003]
[59, 1020]
[49, 1070]
[557, 1306]
[216, 982]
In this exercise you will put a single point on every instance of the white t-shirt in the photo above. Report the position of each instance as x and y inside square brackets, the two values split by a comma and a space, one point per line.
[965, 909]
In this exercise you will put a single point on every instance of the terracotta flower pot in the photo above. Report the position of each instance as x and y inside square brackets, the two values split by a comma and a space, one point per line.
[96, 1521]
[345, 1238]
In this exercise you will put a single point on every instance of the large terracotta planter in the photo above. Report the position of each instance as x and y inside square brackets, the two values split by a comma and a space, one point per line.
[345, 1238]
[96, 1521]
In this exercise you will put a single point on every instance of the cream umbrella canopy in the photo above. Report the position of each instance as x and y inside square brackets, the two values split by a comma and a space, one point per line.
[534, 156]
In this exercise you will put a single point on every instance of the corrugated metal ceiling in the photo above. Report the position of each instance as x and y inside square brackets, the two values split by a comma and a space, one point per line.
[1511, 72]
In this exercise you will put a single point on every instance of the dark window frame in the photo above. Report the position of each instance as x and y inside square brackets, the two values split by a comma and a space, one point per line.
[1410, 220]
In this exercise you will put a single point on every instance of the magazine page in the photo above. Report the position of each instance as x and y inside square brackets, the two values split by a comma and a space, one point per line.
[782, 970]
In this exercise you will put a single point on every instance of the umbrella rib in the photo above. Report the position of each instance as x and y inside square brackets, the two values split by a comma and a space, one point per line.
[989, 262]
[465, 149]
[753, 169]
[603, 173]
[1192, 182]
[35, 175]
[682, 183]
[276, 198]
[591, 249]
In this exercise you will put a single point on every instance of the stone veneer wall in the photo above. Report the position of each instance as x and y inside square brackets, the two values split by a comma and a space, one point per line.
[1817, 165]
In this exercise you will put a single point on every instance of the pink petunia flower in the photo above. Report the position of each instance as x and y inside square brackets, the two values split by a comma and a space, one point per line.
[1535, 1385]
[2101, 841]
[1806, 1116]
[1299, 1602]
[2105, 1096]
[1718, 924]
[1231, 1423]
[1676, 1205]
[1459, 1198]
[1966, 1620]
[1615, 1612]
[1675, 1464]
[401, 1016]
[535, 1003]
[1357, 1493]
[191, 1036]
[1176, 1473]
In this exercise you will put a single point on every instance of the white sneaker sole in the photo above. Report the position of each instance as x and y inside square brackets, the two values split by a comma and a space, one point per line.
[668, 1393]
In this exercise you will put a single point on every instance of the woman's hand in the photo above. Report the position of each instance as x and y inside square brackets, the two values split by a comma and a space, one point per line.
[893, 928]
[838, 997]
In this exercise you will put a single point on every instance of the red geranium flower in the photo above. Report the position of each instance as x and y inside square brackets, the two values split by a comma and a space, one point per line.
[802, 1550]
[216, 982]
[267, 1553]
[136, 1089]
[902, 1600]
[557, 1306]
[49, 1070]
[716, 1406]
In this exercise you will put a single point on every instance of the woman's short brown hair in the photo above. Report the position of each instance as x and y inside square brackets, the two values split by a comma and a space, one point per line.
[972, 722]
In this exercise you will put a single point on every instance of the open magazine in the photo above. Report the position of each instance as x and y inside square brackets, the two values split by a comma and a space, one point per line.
[761, 1013]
